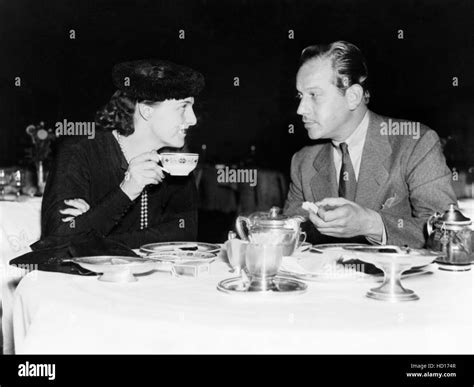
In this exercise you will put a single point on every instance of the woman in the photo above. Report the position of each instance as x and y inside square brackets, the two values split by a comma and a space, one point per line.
[113, 185]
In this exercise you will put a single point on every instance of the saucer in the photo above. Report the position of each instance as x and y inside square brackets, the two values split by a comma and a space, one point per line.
[447, 266]
[283, 285]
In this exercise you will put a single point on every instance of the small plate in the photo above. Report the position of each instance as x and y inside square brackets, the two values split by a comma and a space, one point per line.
[181, 256]
[326, 263]
[335, 251]
[326, 272]
[116, 268]
[446, 266]
[166, 247]
[283, 286]
[338, 245]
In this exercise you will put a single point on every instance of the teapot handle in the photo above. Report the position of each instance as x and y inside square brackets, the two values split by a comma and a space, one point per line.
[240, 230]
[430, 222]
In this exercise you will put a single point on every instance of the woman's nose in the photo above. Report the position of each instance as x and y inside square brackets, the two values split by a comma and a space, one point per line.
[191, 117]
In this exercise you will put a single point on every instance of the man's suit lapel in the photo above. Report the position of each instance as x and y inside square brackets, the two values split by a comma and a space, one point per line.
[374, 165]
[323, 183]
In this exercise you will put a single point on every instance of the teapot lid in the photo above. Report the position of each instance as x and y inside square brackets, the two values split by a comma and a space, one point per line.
[454, 216]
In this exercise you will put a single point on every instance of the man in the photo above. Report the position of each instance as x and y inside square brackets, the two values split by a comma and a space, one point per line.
[374, 179]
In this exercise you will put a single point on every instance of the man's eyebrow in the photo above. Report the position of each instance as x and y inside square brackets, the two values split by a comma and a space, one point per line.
[308, 89]
[313, 88]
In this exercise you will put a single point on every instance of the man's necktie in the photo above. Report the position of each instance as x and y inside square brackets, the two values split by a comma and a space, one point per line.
[347, 179]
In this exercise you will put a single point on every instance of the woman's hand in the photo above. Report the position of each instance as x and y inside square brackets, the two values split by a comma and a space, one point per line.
[142, 170]
[76, 207]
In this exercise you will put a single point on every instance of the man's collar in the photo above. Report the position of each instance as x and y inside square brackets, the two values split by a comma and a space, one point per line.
[358, 135]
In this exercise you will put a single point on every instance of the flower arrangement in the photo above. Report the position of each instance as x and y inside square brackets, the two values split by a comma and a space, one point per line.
[41, 139]
[39, 152]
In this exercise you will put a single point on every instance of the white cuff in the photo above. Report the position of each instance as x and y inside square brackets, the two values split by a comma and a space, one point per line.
[376, 241]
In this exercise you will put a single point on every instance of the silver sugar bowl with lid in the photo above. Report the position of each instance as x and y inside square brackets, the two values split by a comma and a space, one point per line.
[451, 234]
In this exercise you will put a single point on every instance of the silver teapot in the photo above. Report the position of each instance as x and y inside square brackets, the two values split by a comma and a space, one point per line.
[273, 228]
[450, 234]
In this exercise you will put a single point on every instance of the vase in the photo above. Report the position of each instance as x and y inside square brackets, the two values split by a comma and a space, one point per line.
[40, 177]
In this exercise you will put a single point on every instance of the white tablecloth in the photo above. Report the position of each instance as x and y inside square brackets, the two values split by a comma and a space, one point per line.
[19, 228]
[60, 313]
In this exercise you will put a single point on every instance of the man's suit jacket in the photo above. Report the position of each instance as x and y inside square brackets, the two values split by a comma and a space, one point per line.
[402, 178]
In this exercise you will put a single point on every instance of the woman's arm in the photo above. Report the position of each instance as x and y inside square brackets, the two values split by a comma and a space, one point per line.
[177, 222]
[182, 228]
[70, 178]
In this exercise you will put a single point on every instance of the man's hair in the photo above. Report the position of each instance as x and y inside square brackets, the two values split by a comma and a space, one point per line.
[348, 64]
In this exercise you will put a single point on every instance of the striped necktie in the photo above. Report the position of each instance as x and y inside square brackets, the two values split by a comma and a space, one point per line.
[347, 179]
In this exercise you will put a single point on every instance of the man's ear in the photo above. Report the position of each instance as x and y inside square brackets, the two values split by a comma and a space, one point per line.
[354, 96]
[144, 110]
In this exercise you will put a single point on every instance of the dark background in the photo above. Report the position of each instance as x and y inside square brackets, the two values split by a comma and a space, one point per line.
[70, 79]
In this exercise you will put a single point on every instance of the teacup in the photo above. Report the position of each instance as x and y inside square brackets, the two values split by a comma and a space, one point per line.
[236, 250]
[179, 164]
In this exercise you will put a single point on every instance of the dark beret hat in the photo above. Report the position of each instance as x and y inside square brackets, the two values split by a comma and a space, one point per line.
[157, 80]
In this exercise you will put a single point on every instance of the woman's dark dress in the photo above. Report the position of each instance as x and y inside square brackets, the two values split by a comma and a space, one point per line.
[92, 169]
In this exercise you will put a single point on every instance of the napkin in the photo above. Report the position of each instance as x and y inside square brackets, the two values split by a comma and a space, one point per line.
[48, 257]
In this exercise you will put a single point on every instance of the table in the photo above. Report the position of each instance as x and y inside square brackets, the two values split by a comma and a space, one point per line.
[19, 228]
[64, 314]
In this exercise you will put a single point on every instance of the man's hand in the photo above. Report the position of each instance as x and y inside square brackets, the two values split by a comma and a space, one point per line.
[341, 218]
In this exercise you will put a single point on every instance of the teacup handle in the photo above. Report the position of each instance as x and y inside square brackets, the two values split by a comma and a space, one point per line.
[301, 241]
[240, 230]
